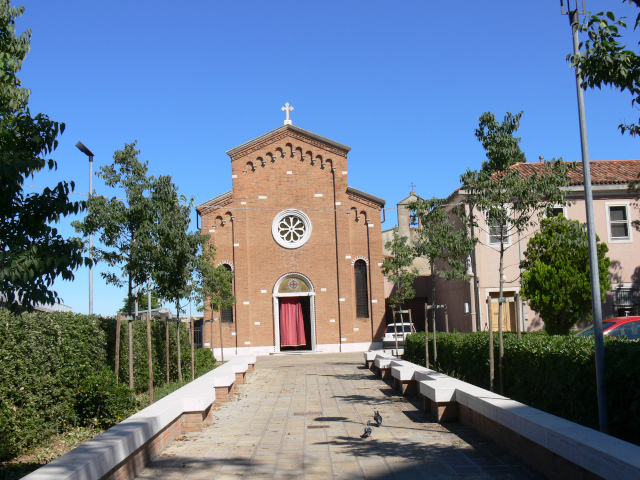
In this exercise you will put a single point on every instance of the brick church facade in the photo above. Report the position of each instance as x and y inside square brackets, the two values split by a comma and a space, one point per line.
[304, 246]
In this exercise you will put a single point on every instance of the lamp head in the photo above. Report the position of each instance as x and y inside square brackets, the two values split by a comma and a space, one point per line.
[84, 149]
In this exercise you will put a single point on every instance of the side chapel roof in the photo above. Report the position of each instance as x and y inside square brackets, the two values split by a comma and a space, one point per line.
[216, 202]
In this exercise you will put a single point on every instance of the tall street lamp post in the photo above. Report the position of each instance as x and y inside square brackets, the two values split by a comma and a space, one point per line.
[591, 231]
[88, 153]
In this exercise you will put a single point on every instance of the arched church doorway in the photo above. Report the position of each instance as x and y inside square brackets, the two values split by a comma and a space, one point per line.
[294, 313]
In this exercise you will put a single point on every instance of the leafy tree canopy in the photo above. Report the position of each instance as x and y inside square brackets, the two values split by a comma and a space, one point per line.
[443, 242]
[556, 281]
[175, 258]
[142, 301]
[397, 268]
[32, 252]
[124, 227]
[514, 202]
[502, 148]
[605, 60]
[213, 286]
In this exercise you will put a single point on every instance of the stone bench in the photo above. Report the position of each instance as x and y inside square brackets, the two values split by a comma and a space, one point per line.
[370, 356]
[566, 448]
[240, 366]
[125, 449]
[439, 395]
[404, 376]
[382, 366]
[559, 448]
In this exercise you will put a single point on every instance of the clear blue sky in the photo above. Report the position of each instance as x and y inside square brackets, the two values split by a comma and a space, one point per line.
[402, 83]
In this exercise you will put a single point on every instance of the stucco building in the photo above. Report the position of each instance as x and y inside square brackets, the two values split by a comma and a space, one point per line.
[470, 303]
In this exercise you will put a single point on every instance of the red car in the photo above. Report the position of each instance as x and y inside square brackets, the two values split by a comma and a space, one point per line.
[617, 327]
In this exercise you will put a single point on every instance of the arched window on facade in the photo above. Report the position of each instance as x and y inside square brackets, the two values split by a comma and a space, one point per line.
[362, 294]
[227, 313]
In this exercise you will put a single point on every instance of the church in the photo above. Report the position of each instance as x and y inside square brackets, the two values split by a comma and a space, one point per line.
[304, 246]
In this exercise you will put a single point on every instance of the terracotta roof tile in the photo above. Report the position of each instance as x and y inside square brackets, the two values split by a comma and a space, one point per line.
[603, 172]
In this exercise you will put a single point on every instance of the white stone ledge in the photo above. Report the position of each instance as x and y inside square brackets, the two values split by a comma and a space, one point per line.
[604, 455]
[601, 454]
[382, 362]
[346, 347]
[405, 373]
[225, 379]
[372, 354]
[438, 391]
[396, 362]
[427, 375]
[96, 457]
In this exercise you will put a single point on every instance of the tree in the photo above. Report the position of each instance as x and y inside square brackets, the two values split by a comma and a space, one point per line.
[125, 229]
[175, 257]
[604, 60]
[142, 300]
[397, 269]
[444, 244]
[512, 203]
[213, 285]
[502, 148]
[32, 252]
[556, 280]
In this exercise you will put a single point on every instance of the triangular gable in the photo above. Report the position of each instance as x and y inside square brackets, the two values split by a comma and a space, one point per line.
[294, 132]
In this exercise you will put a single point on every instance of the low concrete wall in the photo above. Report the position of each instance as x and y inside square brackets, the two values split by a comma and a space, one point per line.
[558, 448]
[125, 449]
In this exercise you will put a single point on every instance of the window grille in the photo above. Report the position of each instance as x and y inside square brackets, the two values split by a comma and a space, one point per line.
[626, 300]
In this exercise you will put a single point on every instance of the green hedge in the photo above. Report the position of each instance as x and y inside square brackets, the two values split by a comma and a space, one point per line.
[44, 358]
[140, 354]
[555, 374]
[57, 373]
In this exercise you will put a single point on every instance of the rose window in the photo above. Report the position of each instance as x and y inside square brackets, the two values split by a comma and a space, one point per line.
[291, 228]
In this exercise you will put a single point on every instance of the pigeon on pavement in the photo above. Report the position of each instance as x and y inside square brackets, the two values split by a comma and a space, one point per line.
[377, 417]
[367, 430]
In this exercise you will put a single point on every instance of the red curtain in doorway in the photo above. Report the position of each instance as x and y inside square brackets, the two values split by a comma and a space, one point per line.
[291, 323]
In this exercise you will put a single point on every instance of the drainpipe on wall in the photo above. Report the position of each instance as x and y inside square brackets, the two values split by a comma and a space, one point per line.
[369, 272]
[235, 307]
[335, 230]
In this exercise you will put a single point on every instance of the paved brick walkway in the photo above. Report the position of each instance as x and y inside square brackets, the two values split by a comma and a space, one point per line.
[301, 416]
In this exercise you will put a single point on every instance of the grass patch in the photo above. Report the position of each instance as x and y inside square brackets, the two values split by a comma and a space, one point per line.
[36, 457]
